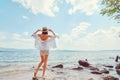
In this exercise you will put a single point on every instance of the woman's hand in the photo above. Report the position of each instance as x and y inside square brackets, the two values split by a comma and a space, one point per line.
[38, 30]
[50, 30]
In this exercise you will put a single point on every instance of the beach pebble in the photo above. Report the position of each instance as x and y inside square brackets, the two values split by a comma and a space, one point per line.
[60, 72]
[93, 68]
[110, 78]
[109, 66]
[96, 72]
[52, 70]
[78, 68]
[91, 79]
[117, 66]
[105, 71]
[83, 63]
[58, 66]
[118, 71]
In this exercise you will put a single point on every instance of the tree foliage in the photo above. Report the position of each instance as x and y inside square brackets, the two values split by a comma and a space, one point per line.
[111, 8]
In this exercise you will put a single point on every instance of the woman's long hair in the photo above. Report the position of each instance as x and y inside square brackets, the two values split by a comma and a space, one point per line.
[44, 32]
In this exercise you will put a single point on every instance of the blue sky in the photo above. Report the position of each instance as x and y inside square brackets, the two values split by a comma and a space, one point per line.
[77, 22]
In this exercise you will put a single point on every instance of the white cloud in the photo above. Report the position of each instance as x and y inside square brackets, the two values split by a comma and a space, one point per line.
[25, 17]
[104, 39]
[50, 7]
[2, 36]
[70, 41]
[86, 6]
[97, 40]
[26, 33]
[47, 7]
[21, 38]
[17, 41]
[79, 29]
[16, 36]
[26, 44]
[100, 39]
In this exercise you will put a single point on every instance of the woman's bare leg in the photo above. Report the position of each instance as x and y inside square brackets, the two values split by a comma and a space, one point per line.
[39, 65]
[45, 64]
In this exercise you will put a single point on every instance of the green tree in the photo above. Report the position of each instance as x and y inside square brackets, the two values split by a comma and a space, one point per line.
[111, 8]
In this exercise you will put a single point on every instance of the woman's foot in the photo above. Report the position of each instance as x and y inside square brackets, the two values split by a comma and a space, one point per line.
[34, 78]
[43, 78]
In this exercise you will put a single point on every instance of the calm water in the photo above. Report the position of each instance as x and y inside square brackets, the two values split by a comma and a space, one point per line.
[26, 59]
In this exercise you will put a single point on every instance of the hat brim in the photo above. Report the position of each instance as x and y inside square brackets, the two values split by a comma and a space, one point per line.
[44, 31]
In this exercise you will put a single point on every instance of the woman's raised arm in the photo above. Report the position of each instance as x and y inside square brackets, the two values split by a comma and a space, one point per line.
[36, 31]
[52, 31]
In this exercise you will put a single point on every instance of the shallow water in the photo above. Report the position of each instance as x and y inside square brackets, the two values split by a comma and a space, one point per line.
[16, 60]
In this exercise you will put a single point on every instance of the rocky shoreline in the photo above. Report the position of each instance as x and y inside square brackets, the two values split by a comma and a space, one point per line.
[103, 72]
[79, 70]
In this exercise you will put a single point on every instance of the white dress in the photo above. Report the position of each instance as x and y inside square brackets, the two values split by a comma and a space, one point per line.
[44, 45]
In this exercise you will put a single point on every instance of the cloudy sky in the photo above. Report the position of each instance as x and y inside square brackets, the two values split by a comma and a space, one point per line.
[77, 23]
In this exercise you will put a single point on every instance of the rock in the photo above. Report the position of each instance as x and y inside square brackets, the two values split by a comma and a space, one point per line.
[60, 72]
[116, 59]
[117, 66]
[96, 72]
[78, 68]
[111, 69]
[105, 71]
[110, 78]
[86, 60]
[83, 63]
[58, 66]
[109, 66]
[33, 67]
[93, 68]
[118, 71]
[52, 70]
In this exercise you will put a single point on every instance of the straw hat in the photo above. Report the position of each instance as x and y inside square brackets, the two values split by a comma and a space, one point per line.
[44, 29]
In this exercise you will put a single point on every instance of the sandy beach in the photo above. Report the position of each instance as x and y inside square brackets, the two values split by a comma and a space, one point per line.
[66, 73]
[56, 75]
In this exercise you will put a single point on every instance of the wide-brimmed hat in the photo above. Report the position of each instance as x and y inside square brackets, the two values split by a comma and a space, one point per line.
[44, 29]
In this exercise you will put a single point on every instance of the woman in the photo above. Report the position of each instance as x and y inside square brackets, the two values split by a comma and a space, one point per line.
[43, 42]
